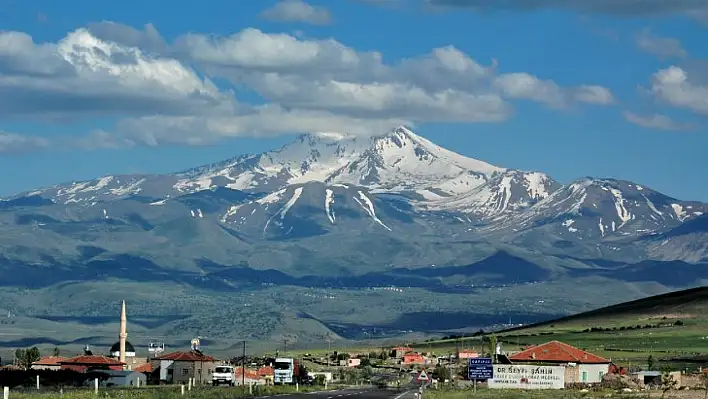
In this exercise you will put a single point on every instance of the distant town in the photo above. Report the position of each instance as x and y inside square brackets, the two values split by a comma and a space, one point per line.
[551, 365]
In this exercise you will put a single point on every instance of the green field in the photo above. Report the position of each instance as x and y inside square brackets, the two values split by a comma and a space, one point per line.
[667, 327]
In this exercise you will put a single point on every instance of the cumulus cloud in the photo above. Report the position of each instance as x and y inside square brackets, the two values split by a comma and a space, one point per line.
[528, 87]
[297, 11]
[326, 74]
[656, 121]
[662, 47]
[82, 75]
[673, 85]
[624, 8]
[162, 92]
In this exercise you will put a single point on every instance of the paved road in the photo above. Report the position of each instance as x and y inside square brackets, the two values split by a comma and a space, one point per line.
[363, 393]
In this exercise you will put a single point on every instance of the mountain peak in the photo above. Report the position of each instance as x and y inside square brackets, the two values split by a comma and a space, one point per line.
[397, 159]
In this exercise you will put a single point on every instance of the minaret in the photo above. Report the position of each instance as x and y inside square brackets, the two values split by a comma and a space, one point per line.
[123, 333]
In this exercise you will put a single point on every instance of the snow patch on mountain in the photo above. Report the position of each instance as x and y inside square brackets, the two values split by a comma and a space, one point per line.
[509, 192]
[679, 211]
[369, 208]
[291, 202]
[329, 200]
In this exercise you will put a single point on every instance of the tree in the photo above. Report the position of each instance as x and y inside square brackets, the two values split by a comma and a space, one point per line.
[25, 357]
[667, 381]
[55, 352]
[493, 345]
[650, 363]
[441, 373]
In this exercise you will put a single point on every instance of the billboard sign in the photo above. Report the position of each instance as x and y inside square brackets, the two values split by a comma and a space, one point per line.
[480, 368]
[527, 377]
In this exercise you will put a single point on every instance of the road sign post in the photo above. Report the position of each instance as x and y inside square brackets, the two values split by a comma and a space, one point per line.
[423, 377]
[480, 368]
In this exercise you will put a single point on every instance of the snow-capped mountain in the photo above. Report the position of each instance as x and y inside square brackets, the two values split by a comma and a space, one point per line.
[397, 161]
[505, 193]
[397, 185]
[603, 208]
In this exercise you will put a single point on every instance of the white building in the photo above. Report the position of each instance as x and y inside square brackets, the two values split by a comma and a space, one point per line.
[581, 366]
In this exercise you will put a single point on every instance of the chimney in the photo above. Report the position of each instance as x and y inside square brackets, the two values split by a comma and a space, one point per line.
[123, 333]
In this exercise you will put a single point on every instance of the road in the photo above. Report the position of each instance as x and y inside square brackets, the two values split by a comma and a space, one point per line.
[361, 393]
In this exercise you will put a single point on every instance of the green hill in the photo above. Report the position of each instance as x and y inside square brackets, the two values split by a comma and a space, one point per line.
[672, 328]
[684, 305]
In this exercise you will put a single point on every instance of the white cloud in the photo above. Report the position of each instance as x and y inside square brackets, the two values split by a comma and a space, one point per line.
[673, 86]
[82, 75]
[298, 11]
[326, 74]
[158, 91]
[662, 47]
[528, 87]
[593, 95]
[13, 143]
[656, 121]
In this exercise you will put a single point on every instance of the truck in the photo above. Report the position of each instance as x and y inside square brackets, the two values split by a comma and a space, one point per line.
[224, 374]
[287, 370]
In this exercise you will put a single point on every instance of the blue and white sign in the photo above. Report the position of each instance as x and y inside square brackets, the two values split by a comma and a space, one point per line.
[480, 368]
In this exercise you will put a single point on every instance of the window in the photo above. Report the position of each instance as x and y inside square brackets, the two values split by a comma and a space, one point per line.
[185, 371]
[585, 376]
[601, 375]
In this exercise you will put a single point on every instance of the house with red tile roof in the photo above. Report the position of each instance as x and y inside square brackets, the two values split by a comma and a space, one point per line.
[145, 368]
[399, 351]
[413, 358]
[48, 363]
[86, 363]
[581, 366]
[179, 367]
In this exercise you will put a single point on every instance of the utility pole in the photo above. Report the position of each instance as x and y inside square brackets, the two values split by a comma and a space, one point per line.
[329, 349]
[285, 347]
[243, 368]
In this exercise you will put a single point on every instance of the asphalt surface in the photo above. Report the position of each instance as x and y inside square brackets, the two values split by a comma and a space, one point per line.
[362, 393]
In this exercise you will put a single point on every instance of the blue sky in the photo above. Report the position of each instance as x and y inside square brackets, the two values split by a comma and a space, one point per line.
[616, 89]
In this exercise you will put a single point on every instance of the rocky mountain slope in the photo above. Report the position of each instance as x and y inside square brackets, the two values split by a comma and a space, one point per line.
[391, 210]
[397, 184]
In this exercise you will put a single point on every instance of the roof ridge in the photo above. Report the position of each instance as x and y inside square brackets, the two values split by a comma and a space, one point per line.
[565, 348]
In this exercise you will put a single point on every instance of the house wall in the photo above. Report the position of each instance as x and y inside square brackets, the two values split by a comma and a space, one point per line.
[572, 374]
[165, 366]
[592, 372]
[200, 371]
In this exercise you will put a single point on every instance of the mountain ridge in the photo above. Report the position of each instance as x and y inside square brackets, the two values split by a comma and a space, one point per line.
[393, 209]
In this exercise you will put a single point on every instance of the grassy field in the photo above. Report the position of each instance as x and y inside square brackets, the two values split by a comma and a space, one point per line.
[664, 326]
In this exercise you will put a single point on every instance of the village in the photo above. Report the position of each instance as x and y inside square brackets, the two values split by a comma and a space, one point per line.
[551, 365]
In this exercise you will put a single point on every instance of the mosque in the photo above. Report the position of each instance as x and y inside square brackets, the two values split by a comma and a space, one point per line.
[123, 350]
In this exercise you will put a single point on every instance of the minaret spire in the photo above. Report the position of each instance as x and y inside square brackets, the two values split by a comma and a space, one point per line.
[123, 336]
